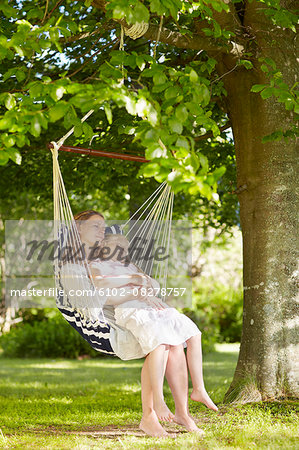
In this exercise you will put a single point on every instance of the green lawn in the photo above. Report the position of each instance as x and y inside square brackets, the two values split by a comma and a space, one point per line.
[96, 403]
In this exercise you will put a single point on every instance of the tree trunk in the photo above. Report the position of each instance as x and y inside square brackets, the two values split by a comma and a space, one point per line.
[268, 365]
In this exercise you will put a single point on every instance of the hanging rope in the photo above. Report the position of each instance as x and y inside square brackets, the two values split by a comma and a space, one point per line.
[158, 37]
[121, 47]
[57, 145]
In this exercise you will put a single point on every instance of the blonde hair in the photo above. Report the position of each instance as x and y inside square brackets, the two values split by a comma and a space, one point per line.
[115, 238]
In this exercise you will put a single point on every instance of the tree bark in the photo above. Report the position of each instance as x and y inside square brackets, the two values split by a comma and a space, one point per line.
[268, 364]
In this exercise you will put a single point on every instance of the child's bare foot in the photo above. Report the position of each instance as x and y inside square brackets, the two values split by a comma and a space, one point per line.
[187, 422]
[162, 411]
[202, 396]
[151, 426]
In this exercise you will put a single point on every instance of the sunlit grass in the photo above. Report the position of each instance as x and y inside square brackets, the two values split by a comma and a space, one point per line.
[96, 404]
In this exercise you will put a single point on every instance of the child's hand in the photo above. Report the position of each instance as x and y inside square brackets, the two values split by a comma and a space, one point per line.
[155, 302]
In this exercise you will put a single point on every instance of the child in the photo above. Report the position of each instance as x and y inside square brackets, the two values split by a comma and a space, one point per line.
[151, 321]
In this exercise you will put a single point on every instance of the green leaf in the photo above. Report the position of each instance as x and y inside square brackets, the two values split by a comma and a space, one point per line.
[181, 113]
[155, 151]
[193, 76]
[58, 111]
[204, 94]
[219, 172]
[246, 63]
[8, 140]
[150, 169]
[157, 7]
[171, 92]
[70, 117]
[175, 126]
[4, 157]
[10, 101]
[204, 163]
[159, 78]
[182, 142]
[257, 87]
[36, 90]
[9, 73]
[6, 122]
[14, 155]
[108, 113]
[193, 161]
[268, 92]
[20, 75]
[57, 92]
[78, 130]
[270, 61]
[87, 130]
[35, 128]
[264, 68]
[54, 34]
[140, 62]
[141, 13]
[202, 188]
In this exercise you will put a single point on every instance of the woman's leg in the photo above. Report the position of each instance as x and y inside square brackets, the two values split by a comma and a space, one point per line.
[149, 422]
[194, 358]
[157, 360]
[177, 378]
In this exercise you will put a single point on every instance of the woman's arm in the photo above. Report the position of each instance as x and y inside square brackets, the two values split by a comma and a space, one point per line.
[102, 281]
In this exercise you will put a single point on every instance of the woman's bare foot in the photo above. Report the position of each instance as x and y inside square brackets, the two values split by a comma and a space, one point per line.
[187, 422]
[151, 426]
[202, 396]
[162, 411]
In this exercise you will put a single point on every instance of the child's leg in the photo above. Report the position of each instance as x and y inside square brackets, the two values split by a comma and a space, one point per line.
[177, 377]
[149, 422]
[194, 358]
[156, 363]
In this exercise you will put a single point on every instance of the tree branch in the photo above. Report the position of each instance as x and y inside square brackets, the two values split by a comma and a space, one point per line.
[178, 40]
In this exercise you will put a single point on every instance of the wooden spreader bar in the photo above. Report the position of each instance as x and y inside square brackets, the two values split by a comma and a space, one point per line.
[92, 152]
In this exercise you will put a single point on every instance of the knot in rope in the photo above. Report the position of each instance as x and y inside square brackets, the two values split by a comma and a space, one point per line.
[136, 30]
[55, 149]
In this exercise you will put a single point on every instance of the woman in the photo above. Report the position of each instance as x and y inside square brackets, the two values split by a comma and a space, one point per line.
[91, 226]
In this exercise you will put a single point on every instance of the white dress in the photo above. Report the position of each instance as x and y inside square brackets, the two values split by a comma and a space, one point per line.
[150, 327]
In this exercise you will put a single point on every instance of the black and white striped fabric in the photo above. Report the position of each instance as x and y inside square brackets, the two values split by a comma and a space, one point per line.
[96, 333]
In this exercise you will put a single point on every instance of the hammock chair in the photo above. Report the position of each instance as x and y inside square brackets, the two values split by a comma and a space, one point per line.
[150, 223]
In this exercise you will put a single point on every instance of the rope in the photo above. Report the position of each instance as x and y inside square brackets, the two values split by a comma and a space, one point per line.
[57, 145]
[121, 47]
[158, 37]
[137, 30]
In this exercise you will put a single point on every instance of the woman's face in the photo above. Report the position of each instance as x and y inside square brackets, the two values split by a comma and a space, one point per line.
[92, 230]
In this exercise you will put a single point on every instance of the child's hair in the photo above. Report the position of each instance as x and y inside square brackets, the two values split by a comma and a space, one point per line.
[118, 239]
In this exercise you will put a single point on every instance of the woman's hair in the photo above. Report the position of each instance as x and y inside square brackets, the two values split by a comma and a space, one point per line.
[85, 215]
[72, 253]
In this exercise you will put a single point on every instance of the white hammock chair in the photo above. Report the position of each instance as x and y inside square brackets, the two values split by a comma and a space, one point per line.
[150, 223]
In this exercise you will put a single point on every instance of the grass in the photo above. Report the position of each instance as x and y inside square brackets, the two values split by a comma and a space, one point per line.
[85, 404]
